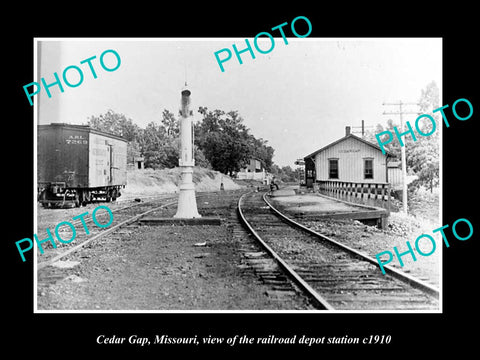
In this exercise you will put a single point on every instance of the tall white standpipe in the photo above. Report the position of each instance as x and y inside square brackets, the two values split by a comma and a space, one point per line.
[187, 203]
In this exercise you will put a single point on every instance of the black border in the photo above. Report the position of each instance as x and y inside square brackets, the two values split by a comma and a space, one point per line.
[75, 334]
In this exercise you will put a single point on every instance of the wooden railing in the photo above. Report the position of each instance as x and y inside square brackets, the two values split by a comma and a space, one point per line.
[375, 194]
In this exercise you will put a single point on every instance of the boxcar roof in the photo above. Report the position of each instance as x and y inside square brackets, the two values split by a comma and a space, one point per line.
[388, 153]
[85, 128]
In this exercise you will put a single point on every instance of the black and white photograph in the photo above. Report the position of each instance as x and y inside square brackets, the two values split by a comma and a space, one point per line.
[214, 197]
[289, 186]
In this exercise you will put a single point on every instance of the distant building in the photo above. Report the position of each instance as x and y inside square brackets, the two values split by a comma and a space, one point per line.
[139, 162]
[254, 170]
[349, 159]
[134, 160]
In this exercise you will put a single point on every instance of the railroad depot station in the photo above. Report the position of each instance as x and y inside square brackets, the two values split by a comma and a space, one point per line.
[354, 168]
[349, 159]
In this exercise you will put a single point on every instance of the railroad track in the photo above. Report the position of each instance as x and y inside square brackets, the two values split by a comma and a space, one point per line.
[83, 263]
[122, 217]
[334, 276]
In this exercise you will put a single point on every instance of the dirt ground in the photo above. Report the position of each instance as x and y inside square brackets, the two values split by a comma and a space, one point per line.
[200, 267]
[159, 268]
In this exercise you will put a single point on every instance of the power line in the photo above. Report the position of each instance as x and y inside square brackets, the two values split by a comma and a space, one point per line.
[363, 127]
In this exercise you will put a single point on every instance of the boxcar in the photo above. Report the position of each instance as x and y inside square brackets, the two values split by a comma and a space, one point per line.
[77, 164]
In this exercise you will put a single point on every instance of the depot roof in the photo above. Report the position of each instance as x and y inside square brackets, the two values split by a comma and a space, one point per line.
[375, 146]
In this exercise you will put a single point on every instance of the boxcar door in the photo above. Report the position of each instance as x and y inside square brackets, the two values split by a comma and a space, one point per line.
[112, 165]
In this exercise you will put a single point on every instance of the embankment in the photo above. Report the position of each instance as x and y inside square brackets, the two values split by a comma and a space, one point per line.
[149, 182]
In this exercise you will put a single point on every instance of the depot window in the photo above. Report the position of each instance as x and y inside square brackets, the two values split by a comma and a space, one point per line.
[368, 168]
[333, 168]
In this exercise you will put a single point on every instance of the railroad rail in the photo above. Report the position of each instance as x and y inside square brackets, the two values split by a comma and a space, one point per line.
[86, 269]
[124, 219]
[334, 276]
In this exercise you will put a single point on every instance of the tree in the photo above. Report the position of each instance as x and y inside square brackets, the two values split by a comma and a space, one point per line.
[116, 124]
[152, 144]
[285, 173]
[224, 140]
[260, 150]
[161, 144]
[133, 150]
[422, 155]
[424, 158]
[170, 124]
[394, 146]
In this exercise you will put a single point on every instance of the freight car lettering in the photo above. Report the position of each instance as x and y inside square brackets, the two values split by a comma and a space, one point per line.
[428, 246]
[77, 142]
[70, 79]
[50, 237]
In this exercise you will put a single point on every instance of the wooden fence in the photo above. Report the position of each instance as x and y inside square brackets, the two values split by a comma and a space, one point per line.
[374, 194]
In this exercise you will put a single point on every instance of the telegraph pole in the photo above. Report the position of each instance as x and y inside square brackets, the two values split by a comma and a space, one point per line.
[401, 112]
[363, 128]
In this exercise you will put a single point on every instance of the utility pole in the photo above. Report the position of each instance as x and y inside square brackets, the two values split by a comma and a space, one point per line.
[363, 128]
[401, 112]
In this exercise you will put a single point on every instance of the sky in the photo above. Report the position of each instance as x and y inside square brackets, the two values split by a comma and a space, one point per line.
[299, 97]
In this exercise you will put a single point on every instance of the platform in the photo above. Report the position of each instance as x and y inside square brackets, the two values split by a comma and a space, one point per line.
[283, 192]
[314, 206]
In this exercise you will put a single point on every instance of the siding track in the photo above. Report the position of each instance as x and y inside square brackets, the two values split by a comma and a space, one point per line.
[336, 276]
[123, 217]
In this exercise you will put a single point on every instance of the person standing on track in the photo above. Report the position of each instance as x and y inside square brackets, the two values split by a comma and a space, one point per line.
[273, 184]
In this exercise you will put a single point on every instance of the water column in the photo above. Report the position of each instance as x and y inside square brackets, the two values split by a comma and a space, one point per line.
[187, 203]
